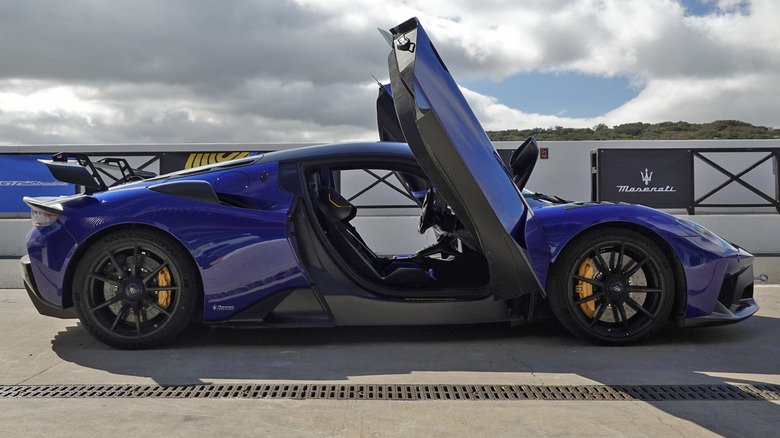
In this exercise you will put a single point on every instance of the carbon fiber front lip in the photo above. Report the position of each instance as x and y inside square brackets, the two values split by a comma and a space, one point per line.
[740, 305]
[722, 315]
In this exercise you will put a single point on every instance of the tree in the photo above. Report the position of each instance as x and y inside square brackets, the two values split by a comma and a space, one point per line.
[721, 129]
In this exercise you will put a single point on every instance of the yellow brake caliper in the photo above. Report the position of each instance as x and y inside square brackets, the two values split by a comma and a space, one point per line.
[585, 289]
[164, 296]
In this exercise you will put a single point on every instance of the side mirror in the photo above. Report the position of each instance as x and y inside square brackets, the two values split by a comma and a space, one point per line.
[523, 161]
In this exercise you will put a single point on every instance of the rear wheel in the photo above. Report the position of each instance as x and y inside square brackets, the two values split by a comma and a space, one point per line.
[612, 286]
[135, 289]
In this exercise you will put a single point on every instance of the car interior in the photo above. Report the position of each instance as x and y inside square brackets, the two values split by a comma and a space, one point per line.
[453, 261]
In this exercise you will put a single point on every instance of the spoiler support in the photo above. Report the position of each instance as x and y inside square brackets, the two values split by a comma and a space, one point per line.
[85, 173]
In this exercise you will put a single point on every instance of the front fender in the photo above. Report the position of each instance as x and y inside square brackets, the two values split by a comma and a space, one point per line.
[706, 260]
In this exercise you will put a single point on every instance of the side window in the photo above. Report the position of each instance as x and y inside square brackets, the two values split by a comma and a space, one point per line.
[387, 214]
[376, 192]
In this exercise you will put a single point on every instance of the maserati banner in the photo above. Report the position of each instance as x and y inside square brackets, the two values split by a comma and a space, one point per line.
[23, 175]
[660, 178]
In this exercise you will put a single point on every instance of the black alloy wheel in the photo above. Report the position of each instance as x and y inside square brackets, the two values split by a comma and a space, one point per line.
[136, 289]
[612, 286]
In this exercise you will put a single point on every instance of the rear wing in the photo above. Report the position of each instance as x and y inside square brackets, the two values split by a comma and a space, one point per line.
[77, 168]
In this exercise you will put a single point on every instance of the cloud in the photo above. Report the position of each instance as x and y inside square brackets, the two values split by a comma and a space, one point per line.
[88, 71]
[752, 97]
[496, 116]
[134, 113]
[694, 68]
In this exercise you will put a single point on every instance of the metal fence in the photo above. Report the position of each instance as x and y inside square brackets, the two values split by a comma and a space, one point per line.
[753, 186]
[740, 179]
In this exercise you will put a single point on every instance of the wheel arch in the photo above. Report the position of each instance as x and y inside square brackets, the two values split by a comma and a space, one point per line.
[681, 289]
[67, 290]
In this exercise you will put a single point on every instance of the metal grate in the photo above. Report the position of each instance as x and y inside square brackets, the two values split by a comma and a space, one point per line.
[404, 392]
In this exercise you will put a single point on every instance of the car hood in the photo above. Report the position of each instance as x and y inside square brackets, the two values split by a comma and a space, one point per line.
[455, 153]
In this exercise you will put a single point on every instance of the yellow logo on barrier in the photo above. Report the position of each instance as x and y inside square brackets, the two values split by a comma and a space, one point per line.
[197, 160]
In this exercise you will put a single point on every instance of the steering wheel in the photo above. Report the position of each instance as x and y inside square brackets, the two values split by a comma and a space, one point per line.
[428, 215]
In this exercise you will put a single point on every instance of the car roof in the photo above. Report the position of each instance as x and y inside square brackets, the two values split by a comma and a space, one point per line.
[378, 149]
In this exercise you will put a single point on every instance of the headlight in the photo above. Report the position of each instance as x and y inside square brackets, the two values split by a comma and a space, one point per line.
[703, 232]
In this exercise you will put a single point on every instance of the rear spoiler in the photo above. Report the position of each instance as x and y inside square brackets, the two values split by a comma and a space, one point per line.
[83, 172]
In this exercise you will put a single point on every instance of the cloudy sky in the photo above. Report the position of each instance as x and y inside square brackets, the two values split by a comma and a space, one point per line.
[133, 71]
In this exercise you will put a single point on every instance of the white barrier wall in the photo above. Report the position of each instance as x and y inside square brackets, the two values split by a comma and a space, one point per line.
[12, 237]
[566, 173]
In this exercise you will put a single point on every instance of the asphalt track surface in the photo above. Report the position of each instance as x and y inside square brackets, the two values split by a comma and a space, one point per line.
[45, 353]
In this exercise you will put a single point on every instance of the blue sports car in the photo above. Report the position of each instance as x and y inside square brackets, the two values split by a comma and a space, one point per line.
[267, 240]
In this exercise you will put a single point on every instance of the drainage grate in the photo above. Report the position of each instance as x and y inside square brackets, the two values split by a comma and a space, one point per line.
[404, 392]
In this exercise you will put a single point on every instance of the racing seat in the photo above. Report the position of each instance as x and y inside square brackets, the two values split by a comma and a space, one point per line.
[337, 212]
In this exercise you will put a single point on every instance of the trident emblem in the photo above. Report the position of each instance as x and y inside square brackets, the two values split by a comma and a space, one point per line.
[646, 177]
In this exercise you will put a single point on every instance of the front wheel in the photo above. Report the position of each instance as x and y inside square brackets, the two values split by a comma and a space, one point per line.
[612, 286]
[135, 289]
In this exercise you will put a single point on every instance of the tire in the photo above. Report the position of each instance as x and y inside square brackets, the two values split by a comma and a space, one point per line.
[612, 286]
[136, 289]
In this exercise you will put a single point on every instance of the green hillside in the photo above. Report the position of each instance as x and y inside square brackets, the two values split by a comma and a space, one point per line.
[719, 129]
